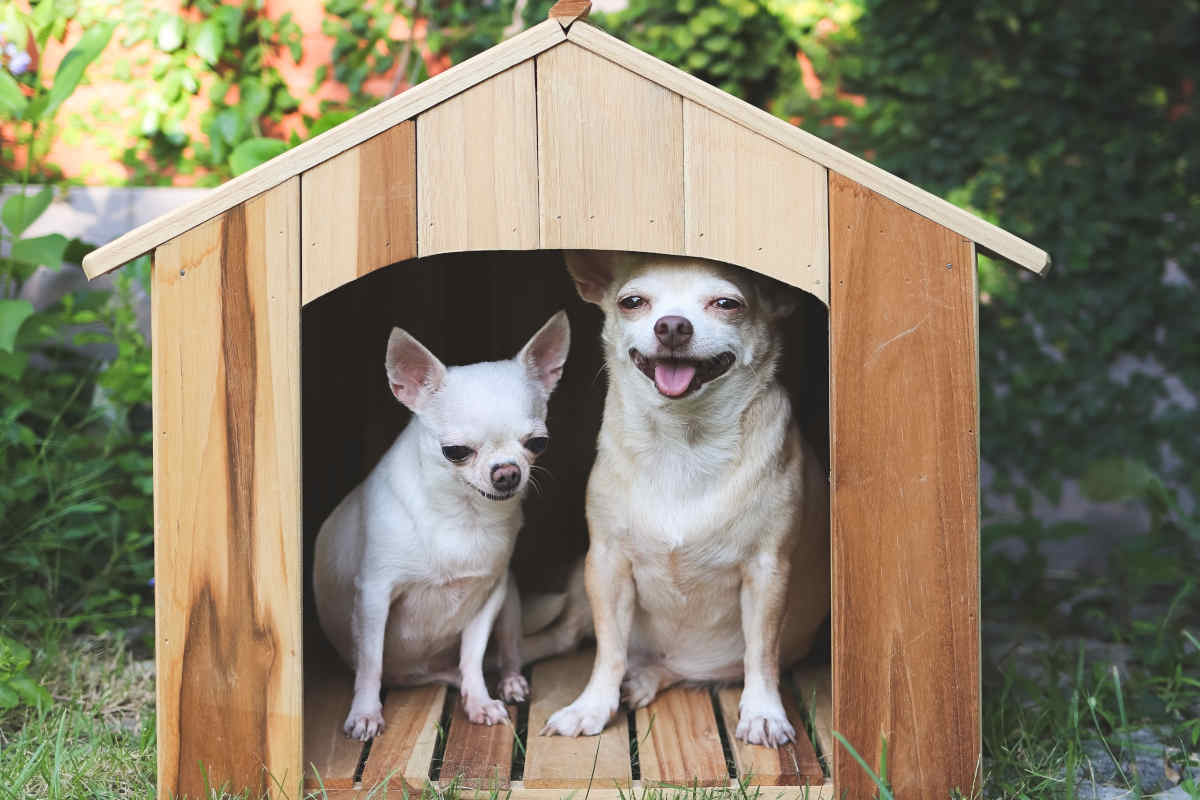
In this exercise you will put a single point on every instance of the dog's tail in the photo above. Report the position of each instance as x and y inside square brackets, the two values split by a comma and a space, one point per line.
[556, 623]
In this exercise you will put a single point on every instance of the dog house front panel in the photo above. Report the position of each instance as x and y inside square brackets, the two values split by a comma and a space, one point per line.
[226, 361]
[904, 425]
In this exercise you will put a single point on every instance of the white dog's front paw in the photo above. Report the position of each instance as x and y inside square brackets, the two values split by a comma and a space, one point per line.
[766, 725]
[581, 718]
[514, 688]
[365, 723]
[486, 711]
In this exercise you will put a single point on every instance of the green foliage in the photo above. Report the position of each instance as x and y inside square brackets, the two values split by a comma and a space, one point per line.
[16, 687]
[224, 53]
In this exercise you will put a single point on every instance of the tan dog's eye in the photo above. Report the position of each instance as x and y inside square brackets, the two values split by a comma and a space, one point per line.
[457, 453]
[632, 303]
[727, 304]
[537, 444]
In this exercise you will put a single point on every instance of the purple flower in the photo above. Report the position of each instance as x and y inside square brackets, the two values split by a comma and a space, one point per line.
[15, 59]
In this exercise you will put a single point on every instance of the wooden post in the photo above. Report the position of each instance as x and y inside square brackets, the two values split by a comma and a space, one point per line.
[226, 322]
[904, 409]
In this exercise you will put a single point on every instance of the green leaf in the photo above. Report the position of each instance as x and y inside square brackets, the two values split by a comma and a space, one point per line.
[12, 365]
[70, 71]
[12, 99]
[1116, 479]
[209, 41]
[254, 97]
[13, 314]
[229, 124]
[20, 210]
[252, 152]
[8, 698]
[31, 693]
[41, 250]
[170, 34]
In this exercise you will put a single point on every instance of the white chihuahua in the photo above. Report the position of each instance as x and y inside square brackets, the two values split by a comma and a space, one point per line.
[416, 557]
[707, 513]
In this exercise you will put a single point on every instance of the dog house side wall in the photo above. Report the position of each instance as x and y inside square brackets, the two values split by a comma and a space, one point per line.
[226, 365]
[904, 422]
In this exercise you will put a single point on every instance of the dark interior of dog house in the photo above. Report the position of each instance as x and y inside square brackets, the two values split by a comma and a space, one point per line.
[468, 307]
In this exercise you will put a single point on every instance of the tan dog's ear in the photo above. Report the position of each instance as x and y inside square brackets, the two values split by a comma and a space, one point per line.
[777, 298]
[413, 372]
[593, 272]
[544, 355]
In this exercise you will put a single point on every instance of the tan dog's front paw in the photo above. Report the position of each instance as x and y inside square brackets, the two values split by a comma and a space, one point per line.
[765, 726]
[486, 712]
[514, 689]
[364, 724]
[579, 719]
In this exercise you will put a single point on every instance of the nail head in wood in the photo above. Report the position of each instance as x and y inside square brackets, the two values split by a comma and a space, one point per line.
[567, 11]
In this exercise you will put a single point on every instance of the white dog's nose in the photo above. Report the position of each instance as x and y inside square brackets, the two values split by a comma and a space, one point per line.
[505, 477]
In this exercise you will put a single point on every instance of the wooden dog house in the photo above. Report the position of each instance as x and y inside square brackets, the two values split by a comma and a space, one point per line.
[561, 137]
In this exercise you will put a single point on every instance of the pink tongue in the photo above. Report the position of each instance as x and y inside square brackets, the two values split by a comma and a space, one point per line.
[673, 379]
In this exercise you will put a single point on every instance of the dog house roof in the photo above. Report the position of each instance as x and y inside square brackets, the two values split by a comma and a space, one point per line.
[534, 41]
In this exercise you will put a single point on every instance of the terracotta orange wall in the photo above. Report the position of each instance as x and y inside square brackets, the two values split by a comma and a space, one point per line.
[93, 161]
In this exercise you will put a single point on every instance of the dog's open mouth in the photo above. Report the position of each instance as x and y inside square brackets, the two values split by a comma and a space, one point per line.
[491, 496]
[676, 377]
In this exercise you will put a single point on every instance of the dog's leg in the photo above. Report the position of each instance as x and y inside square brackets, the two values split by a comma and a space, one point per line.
[481, 708]
[513, 686]
[611, 591]
[369, 625]
[762, 719]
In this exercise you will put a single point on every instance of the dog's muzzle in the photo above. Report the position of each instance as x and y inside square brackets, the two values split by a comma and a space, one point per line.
[678, 377]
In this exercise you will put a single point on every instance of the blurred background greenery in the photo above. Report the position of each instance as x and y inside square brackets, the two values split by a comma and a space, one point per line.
[1074, 125]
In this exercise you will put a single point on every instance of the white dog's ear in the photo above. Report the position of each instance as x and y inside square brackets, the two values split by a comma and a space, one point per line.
[413, 372]
[544, 355]
[593, 272]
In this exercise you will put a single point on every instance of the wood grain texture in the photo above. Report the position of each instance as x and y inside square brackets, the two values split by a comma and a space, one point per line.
[477, 168]
[330, 758]
[904, 413]
[815, 690]
[226, 365]
[753, 202]
[995, 240]
[402, 754]
[478, 756]
[520, 792]
[610, 156]
[794, 764]
[567, 11]
[678, 741]
[559, 762]
[360, 211]
[321, 148]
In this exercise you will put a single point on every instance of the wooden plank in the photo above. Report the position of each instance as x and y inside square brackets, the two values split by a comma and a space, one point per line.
[753, 202]
[904, 413]
[610, 156]
[330, 758]
[559, 762]
[360, 211]
[678, 741]
[597, 792]
[321, 148]
[794, 764]
[816, 697]
[567, 11]
[477, 168]
[226, 326]
[402, 754]
[993, 239]
[478, 756]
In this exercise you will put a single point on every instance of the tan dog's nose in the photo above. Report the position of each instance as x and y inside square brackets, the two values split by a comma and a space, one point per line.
[673, 331]
[505, 477]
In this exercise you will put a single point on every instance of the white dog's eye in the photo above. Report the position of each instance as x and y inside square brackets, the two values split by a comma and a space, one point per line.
[727, 304]
[632, 303]
[457, 453]
[537, 444]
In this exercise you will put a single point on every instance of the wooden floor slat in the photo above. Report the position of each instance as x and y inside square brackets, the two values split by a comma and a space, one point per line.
[403, 752]
[813, 687]
[556, 762]
[330, 759]
[479, 755]
[678, 741]
[794, 764]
